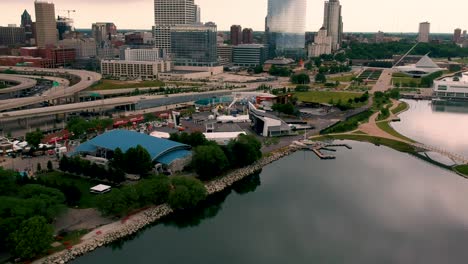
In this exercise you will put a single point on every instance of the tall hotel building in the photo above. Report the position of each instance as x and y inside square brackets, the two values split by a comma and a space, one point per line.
[46, 26]
[424, 32]
[333, 22]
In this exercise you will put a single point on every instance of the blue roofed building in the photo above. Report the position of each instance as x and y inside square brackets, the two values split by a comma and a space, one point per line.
[172, 155]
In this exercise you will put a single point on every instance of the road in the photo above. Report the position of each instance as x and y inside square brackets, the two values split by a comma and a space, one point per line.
[22, 83]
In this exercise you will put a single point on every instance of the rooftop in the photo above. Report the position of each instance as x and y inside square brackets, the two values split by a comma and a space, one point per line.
[160, 150]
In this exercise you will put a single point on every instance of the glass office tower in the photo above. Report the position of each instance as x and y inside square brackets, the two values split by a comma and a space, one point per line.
[285, 27]
[194, 45]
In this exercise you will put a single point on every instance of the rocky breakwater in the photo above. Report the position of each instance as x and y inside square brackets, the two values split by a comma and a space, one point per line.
[118, 230]
[220, 184]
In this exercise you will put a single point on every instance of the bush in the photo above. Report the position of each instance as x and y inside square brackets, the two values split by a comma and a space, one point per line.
[209, 161]
[301, 78]
[244, 151]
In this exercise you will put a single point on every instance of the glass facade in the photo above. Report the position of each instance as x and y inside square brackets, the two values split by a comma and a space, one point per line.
[194, 45]
[285, 27]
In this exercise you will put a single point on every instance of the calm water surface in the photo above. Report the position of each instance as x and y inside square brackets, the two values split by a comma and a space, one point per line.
[444, 126]
[370, 205]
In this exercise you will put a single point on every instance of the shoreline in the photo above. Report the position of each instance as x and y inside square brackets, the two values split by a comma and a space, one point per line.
[115, 231]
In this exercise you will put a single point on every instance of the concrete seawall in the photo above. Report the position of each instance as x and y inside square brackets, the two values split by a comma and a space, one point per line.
[115, 231]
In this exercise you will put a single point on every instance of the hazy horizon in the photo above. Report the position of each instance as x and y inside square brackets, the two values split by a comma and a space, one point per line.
[362, 16]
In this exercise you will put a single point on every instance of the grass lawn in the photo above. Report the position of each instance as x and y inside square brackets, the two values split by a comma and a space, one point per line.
[400, 108]
[111, 84]
[344, 78]
[385, 126]
[463, 169]
[406, 81]
[88, 200]
[326, 97]
[396, 145]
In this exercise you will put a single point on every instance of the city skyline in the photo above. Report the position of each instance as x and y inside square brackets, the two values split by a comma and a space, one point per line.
[255, 11]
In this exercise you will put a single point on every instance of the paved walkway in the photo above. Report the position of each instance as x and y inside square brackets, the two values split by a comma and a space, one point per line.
[384, 83]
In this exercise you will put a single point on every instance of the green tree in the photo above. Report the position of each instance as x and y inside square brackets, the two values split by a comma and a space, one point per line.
[32, 238]
[8, 181]
[149, 117]
[186, 192]
[39, 168]
[118, 159]
[258, 69]
[318, 62]
[34, 138]
[155, 190]
[320, 78]
[301, 78]
[113, 203]
[245, 150]
[50, 167]
[138, 161]
[209, 161]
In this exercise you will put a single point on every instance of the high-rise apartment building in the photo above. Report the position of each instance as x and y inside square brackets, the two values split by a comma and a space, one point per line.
[457, 35]
[333, 22]
[247, 36]
[46, 26]
[168, 13]
[285, 27]
[194, 45]
[424, 32]
[197, 14]
[236, 35]
[103, 31]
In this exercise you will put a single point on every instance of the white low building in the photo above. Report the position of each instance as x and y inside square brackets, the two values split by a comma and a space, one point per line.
[223, 138]
[452, 88]
[135, 69]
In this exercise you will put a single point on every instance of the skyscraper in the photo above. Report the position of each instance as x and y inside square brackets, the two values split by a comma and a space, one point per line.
[285, 27]
[27, 24]
[333, 22]
[457, 35]
[46, 26]
[169, 13]
[236, 35]
[247, 36]
[424, 31]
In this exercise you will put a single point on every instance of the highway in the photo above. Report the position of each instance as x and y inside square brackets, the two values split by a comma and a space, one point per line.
[139, 102]
[22, 83]
[86, 80]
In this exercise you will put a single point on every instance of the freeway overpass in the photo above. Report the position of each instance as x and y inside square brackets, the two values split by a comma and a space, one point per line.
[86, 79]
[21, 83]
[132, 103]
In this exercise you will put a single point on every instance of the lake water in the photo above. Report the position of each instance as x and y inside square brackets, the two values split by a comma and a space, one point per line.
[370, 205]
[442, 125]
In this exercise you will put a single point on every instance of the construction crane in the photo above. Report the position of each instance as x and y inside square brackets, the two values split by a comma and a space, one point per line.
[68, 11]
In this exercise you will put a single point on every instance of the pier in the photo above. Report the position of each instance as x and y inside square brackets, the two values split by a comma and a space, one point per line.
[316, 148]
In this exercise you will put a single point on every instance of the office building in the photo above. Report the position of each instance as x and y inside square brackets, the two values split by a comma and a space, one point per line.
[224, 54]
[10, 36]
[333, 22]
[64, 25]
[424, 32]
[248, 55]
[46, 26]
[134, 69]
[194, 45]
[247, 36]
[457, 35]
[27, 24]
[168, 13]
[236, 35]
[84, 47]
[142, 54]
[103, 31]
[322, 44]
[285, 27]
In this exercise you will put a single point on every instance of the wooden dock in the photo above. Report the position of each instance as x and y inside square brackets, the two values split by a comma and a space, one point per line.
[339, 145]
[323, 156]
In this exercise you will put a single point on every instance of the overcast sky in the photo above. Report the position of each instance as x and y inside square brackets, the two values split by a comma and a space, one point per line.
[358, 15]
